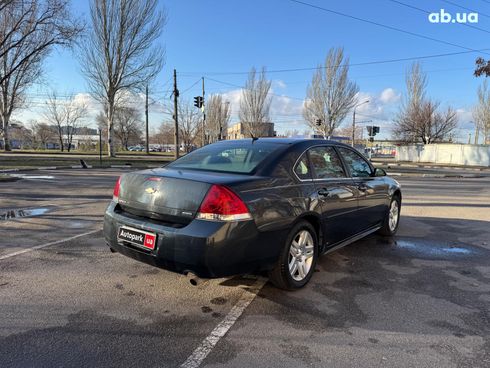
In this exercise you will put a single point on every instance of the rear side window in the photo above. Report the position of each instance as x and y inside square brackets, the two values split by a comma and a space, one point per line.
[326, 163]
[302, 168]
[358, 166]
[239, 158]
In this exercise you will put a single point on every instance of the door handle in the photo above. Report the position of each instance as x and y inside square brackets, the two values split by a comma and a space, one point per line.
[362, 187]
[323, 192]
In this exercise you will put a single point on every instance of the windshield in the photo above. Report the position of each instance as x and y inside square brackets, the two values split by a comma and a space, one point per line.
[234, 158]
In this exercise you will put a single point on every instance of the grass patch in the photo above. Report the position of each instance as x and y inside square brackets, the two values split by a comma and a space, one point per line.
[32, 162]
[7, 178]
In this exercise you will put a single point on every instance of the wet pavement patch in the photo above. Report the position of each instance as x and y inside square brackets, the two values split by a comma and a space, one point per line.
[434, 248]
[31, 212]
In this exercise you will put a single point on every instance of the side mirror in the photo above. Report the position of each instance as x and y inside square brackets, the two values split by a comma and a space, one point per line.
[379, 172]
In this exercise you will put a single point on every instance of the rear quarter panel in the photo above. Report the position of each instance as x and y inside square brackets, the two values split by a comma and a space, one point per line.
[279, 199]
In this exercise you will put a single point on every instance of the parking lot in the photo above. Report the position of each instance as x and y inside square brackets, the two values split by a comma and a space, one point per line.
[421, 299]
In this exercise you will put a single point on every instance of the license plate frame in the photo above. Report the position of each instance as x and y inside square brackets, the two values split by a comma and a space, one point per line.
[140, 238]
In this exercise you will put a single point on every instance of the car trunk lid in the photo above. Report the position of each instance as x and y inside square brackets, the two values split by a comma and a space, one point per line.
[159, 197]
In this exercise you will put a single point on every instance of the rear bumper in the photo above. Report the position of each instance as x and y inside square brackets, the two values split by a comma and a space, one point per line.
[209, 249]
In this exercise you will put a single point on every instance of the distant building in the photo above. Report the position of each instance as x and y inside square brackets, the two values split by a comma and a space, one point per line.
[20, 136]
[239, 131]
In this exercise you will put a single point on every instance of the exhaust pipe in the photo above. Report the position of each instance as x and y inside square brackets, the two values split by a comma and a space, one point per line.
[194, 279]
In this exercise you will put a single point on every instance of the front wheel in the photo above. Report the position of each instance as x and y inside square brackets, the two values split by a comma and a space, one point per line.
[392, 218]
[298, 258]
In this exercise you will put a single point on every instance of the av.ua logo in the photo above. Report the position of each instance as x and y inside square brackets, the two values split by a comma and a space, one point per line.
[443, 17]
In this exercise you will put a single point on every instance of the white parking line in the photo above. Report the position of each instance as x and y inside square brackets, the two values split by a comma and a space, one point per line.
[27, 250]
[207, 345]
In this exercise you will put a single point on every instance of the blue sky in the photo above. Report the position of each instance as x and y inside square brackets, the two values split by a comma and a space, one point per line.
[207, 37]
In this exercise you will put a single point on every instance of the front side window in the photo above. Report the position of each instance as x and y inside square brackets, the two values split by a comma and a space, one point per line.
[326, 163]
[358, 166]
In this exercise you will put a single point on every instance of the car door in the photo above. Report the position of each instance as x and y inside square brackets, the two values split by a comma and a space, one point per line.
[336, 193]
[372, 190]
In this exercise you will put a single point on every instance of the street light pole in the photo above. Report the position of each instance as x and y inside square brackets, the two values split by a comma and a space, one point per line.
[354, 121]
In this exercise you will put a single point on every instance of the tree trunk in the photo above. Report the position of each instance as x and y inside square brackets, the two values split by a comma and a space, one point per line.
[110, 129]
[6, 140]
[5, 134]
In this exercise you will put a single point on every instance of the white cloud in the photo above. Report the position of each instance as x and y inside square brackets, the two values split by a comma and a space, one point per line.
[279, 84]
[286, 112]
[389, 95]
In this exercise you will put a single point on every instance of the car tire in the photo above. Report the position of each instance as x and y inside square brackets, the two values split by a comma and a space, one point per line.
[297, 261]
[392, 217]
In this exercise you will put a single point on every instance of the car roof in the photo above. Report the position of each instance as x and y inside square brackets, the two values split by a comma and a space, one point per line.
[288, 141]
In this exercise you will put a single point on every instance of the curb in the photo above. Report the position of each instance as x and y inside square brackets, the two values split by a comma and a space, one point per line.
[390, 165]
[79, 167]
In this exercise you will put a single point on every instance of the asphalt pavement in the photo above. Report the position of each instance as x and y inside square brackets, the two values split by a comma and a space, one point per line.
[421, 299]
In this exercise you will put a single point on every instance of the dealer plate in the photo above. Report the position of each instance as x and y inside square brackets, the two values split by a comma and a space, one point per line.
[137, 237]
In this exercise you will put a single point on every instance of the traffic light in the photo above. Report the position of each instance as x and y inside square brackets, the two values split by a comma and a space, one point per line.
[198, 101]
[318, 122]
[372, 130]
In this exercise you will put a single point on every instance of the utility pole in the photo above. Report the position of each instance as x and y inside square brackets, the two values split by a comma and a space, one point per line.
[203, 116]
[353, 126]
[354, 121]
[146, 121]
[176, 116]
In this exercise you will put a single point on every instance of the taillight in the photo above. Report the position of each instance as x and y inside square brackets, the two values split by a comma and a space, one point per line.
[115, 193]
[222, 204]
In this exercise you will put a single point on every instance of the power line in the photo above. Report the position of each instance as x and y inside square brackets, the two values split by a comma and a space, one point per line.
[345, 15]
[374, 62]
[428, 12]
[196, 82]
[465, 8]
[241, 87]
[374, 117]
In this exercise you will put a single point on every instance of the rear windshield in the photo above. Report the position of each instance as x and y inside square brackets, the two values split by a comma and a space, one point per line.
[232, 157]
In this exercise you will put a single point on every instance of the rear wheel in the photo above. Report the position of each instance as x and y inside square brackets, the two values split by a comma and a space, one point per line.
[298, 258]
[392, 217]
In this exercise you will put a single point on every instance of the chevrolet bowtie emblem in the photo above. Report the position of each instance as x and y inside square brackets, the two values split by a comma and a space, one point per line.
[150, 190]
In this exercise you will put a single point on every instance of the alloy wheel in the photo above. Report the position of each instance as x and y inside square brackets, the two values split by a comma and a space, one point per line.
[393, 215]
[301, 253]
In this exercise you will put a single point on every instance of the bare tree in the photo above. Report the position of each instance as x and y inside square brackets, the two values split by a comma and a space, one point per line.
[330, 95]
[346, 131]
[189, 125]
[255, 103]
[165, 134]
[127, 126]
[65, 115]
[419, 118]
[426, 124]
[481, 113]
[42, 133]
[119, 55]
[217, 117]
[29, 30]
